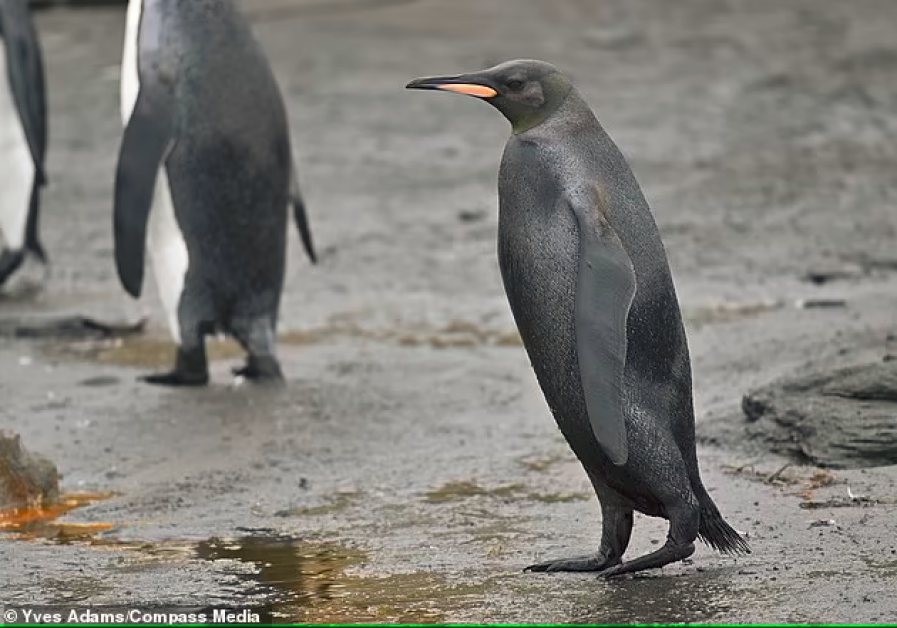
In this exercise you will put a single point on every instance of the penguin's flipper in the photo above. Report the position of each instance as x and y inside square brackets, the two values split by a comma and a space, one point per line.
[301, 217]
[605, 288]
[26, 78]
[148, 139]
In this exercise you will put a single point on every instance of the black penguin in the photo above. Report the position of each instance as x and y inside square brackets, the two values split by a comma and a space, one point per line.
[23, 136]
[590, 289]
[202, 108]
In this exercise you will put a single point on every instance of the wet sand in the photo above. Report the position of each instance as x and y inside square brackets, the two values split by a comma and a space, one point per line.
[411, 468]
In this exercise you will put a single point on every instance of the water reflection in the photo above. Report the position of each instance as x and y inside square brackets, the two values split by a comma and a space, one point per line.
[298, 572]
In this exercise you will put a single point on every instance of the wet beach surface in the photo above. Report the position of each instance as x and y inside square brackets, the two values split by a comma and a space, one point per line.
[410, 470]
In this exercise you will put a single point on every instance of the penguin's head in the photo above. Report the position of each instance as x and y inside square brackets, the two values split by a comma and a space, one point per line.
[526, 91]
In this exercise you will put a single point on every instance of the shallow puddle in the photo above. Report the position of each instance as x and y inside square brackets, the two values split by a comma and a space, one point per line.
[305, 581]
[299, 574]
[284, 579]
[288, 580]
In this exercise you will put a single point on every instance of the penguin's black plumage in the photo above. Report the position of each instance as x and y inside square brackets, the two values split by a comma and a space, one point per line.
[205, 174]
[590, 289]
[23, 136]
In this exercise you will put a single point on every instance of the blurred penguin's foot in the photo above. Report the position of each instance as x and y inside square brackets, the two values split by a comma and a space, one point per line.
[177, 378]
[261, 369]
[191, 369]
[667, 554]
[10, 262]
[595, 562]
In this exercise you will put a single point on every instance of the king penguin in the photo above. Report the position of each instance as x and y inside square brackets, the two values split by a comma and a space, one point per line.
[205, 176]
[591, 293]
[23, 136]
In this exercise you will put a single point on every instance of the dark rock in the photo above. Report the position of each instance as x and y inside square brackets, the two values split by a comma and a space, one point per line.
[806, 304]
[839, 419]
[25, 478]
[821, 276]
[471, 215]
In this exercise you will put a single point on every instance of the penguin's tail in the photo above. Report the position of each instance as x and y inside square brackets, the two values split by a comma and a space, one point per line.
[718, 534]
[300, 215]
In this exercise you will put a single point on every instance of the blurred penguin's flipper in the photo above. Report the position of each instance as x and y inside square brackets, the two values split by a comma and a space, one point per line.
[26, 77]
[605, 288]
[146, 144]
[301, 217]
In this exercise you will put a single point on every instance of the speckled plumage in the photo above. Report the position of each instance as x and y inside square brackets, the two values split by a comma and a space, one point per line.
[208, 114]
[590, 288]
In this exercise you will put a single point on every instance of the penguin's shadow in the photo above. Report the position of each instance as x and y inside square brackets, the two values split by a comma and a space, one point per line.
[23, 291]
[65, 328]
[648, 598]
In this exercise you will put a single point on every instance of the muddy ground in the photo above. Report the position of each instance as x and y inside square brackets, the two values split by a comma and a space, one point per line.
[411, 469]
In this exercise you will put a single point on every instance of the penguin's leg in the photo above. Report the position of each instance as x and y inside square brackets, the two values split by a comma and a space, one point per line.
[191, 365]
[10, 261]
[32, 239]
[616, 528]
[684, 522]
[191, 369]
[256, 335]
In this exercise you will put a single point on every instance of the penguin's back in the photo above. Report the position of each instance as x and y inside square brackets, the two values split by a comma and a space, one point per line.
[229, 169]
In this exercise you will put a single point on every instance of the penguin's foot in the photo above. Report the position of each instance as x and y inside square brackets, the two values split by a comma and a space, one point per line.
[190, 369]
[594, 562]
[9, 263]
[665, 555]
[177, 378]
[261, 368]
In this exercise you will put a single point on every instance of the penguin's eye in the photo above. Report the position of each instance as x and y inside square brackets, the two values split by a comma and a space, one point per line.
[514, 85]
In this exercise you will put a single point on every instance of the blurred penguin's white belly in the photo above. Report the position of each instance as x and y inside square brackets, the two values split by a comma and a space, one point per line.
[168, 252]
[167, 249]
[16, 166]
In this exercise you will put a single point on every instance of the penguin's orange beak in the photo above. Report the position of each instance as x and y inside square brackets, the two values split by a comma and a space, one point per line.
[471, 89]
[454, 84]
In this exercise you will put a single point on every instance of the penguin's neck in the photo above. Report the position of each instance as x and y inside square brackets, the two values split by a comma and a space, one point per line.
[130, 77]
[571, 116]
[525, 122]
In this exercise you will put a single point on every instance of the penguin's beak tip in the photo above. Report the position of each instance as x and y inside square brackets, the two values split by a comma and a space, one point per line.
[428, 83]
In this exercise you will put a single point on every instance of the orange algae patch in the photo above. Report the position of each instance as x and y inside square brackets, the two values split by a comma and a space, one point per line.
[40, 520]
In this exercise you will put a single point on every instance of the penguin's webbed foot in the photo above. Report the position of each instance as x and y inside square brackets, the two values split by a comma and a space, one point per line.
[261, 368]
[594, 562]
[667, 554]
[190, 369]
[177, 378]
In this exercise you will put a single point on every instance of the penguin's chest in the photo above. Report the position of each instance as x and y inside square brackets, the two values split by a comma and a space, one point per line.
[538, 258]
[538, 254]
[16, 165]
